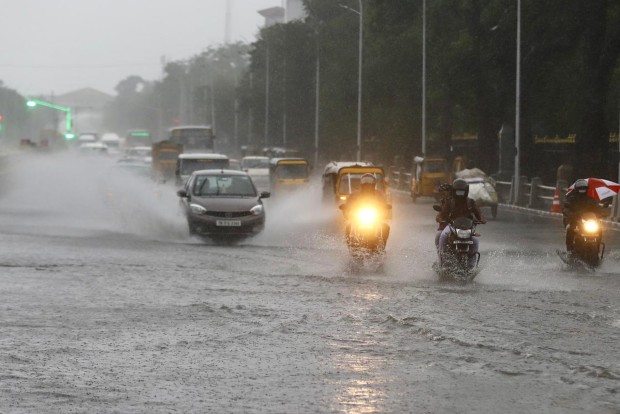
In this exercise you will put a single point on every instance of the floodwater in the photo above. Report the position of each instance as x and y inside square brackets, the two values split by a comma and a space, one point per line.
[107, 305]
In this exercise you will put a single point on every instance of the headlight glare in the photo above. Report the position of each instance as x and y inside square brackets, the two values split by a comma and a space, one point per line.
[257, 210]
[590, 226]
[367, 216]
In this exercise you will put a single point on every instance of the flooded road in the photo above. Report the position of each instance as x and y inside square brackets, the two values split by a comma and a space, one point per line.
[107, 305]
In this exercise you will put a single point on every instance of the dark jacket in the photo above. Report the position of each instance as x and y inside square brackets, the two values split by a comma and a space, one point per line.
[459, 207]
[577, 204]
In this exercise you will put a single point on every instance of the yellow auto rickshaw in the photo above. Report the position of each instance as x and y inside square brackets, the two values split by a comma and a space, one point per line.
[330, 177]
[348, 181]
[428, 174]
[288, 174]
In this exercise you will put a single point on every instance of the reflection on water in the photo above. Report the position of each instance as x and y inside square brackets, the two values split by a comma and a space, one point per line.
[360, 382]
[360, 390]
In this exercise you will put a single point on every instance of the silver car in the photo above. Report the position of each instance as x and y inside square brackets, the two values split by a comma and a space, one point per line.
[222, 204]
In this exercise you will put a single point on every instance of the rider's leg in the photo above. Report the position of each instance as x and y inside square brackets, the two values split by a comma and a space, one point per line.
[443, 241]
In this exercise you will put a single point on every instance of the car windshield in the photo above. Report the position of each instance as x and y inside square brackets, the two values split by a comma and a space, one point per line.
[292, 171]
[224, 186]
[189, 166]
[350, 183]
[255, 163]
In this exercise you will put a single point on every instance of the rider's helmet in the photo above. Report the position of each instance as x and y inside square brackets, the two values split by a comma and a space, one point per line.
[368, 182]
[581, 186]
[460, 188]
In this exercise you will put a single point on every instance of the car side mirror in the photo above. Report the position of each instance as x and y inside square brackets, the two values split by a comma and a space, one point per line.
[182, 193]
[436, 207]
[265, 194]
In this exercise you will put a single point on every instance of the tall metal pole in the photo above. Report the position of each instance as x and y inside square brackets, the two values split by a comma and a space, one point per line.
[267, 99]
[250, 114]
[359, 85]
[316, 104]
[423, 78]
[517, 182]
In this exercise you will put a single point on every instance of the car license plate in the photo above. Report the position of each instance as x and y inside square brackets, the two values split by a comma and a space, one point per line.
[228, 223]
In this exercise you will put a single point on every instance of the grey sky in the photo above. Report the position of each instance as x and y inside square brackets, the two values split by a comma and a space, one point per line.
[63, 45]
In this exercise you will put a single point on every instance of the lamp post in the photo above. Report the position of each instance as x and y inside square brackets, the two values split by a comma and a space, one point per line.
[360, 13]
[517, 182]
[68, 120]
[424, 78]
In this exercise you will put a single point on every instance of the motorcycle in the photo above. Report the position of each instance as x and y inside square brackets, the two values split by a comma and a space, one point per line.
[588, 246]
[459, 262]
[367, 230]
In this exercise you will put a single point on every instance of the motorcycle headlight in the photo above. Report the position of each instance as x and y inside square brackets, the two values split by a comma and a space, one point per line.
[197, 209]
[590, 226]
[367, 216]
[463, 234]
[257, 210]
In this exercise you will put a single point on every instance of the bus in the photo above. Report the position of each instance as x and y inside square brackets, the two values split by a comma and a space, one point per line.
[138, 138]
[193, 137]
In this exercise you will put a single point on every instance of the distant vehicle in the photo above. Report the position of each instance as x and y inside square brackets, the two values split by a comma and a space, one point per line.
[113, 142]
[188, 163]
[142, 154]
[138, 138]
[136, 168]
[254, 162]
[86, 137]
[258, 169]
[234, 164]
[222, 204]
[288, 173]
[428, 174]
[193, 138]
[93, 148]
[164, 160]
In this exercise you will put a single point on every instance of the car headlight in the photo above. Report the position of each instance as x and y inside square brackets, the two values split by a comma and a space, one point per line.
[197, 209]
[590, 226]
[367, 216]
[257, 210]
[463, 234]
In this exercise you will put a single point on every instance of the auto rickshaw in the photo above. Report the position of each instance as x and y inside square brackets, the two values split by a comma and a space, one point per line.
[288, 174]
[428, 174]
[348, 181]
[330, 177]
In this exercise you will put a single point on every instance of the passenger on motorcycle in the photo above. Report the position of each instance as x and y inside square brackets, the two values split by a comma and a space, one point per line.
[576, 204]
[367, 195]
[457, 205]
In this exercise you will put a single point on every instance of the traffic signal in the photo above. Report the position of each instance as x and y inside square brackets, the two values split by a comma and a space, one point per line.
[1, 124]
[69, 135]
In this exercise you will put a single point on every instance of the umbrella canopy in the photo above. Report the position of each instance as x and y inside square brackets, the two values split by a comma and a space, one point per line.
[599, 188]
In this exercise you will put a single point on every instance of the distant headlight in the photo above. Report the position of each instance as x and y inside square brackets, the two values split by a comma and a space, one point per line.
[257, 210]
[463, 234]
[197, 209]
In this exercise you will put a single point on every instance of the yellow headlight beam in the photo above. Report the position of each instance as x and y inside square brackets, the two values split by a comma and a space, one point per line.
[590, 226]
[367, 216]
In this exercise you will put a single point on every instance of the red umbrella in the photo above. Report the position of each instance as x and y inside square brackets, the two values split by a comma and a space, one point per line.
[599, 188]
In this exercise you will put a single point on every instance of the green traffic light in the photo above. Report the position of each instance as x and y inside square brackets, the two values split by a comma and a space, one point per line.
[69, 135]
[31, 103]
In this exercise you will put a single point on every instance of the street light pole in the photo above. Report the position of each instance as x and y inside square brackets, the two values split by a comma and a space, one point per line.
[423, 78]
[267, 98]
[68, 119]
[360, 13]
[359, 85]
[317, 91]
[517, 182]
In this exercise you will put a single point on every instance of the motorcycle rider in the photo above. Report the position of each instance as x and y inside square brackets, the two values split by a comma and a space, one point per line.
[576, 204]
[367, 194]
[458, 205]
